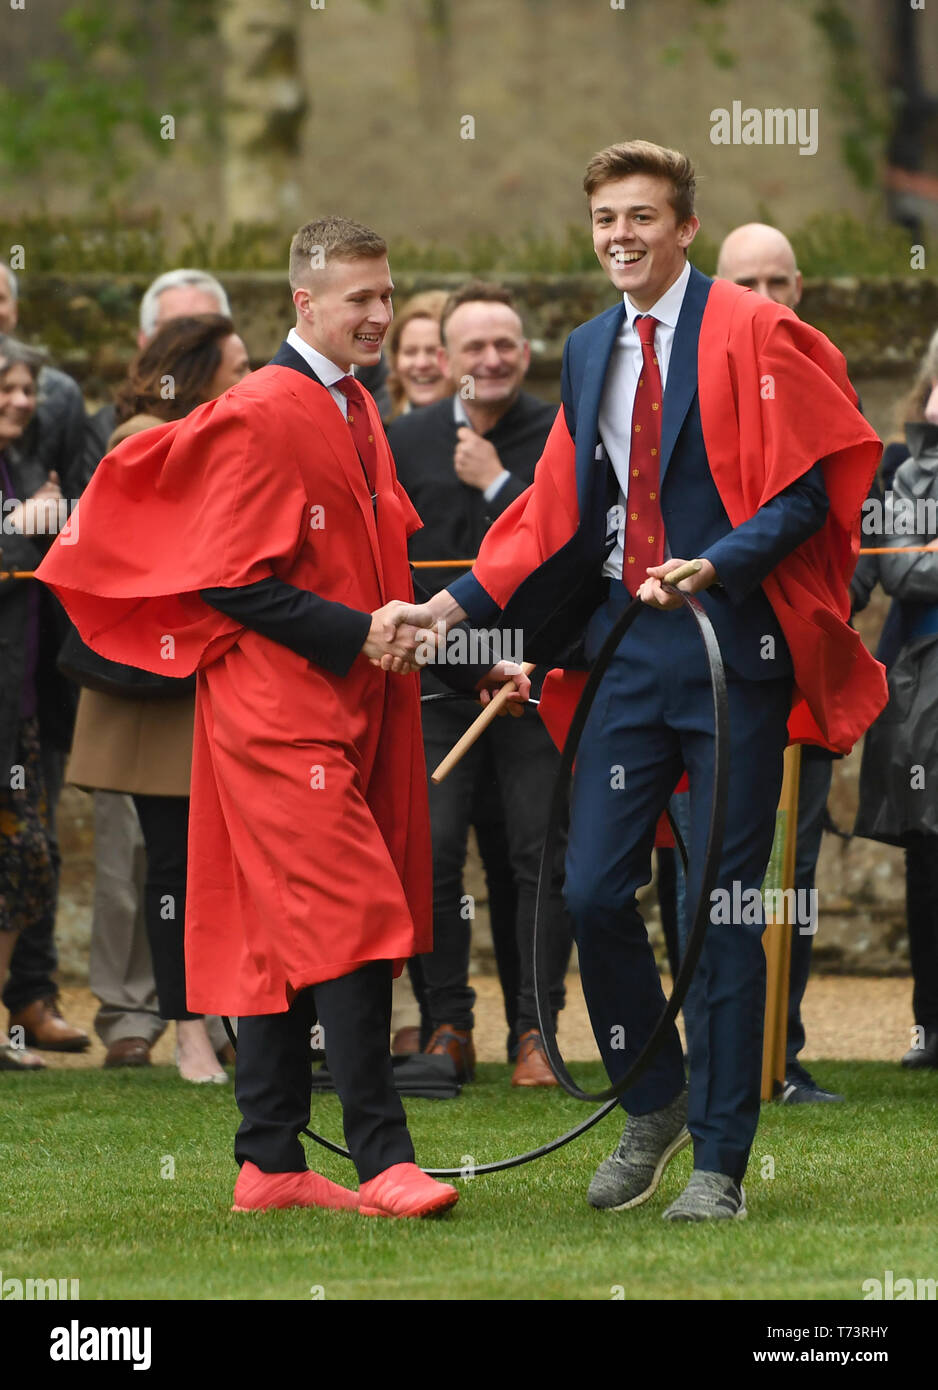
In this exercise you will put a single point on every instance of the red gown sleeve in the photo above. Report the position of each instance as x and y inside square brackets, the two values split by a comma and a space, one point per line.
[211, 501]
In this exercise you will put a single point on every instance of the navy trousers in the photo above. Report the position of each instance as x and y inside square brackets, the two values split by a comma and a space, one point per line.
[653, 717]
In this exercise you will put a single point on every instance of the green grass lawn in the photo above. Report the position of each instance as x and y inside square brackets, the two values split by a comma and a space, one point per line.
[853, 1194]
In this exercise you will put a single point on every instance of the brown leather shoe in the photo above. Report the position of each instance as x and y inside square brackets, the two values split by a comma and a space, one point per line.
[405, 1042]
[128, 1052]
[456, 1043]
[532, 1068]
[45, 1028]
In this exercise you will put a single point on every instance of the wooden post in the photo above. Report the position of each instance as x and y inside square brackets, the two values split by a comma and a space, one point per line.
[780, 874]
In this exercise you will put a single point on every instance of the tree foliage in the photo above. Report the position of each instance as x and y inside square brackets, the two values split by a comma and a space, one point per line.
[72, 113]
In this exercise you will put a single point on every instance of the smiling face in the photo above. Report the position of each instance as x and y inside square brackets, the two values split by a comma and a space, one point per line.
[418, 362]
[485, 341]
[344, 311]
[637, 238]
[17, 401]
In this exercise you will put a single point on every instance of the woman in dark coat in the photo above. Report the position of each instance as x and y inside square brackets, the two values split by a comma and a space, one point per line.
[899, 772]
[32, 511]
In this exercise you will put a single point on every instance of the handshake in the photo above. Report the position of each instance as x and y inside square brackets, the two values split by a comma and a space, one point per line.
[403, 637]
[397, 630]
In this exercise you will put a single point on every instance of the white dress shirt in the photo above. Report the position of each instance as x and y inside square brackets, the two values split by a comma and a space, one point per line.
[618, 398]
[327, 371]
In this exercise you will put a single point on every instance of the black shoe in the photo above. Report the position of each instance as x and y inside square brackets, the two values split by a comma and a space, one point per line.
[924, 1056]
[801, 1088]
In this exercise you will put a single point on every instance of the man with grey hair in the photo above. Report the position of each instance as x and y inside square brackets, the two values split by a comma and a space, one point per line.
[178, 293]
[172, 295]
[54, 441]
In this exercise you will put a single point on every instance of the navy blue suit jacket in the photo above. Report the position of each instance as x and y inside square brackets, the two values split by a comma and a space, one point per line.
[555, 602]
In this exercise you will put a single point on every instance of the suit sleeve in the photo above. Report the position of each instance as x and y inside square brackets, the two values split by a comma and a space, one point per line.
[459, 676]
[746, 555]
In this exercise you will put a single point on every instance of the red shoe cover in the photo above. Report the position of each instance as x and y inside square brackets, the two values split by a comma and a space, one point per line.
[257, 1191]
[403, 1190]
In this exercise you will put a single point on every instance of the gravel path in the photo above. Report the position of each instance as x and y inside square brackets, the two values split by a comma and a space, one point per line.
[846, 1017]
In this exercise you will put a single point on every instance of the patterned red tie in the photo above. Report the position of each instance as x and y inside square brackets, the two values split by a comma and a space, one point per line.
[360, 426]
[644, 526]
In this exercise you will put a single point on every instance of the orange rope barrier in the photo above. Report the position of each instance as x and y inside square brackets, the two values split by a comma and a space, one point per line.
[466, 564]
[897, 549]
[442, 564]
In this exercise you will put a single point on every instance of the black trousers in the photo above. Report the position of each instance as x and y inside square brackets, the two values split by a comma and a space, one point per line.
[921, 880]
[164, 821]
[814, 788]
[525, 764]
[273, 1076]
[488, 822]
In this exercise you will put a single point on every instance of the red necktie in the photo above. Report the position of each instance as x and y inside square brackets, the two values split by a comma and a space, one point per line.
[360, 426]
[644, 526]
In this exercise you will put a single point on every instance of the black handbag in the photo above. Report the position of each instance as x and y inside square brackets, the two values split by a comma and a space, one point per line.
[418, 1075]
[93, 672]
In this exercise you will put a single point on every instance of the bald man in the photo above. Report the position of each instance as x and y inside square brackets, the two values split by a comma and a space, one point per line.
[761, 258]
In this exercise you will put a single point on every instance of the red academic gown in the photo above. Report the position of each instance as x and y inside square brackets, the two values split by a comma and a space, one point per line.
[774, 399]
[309, 838]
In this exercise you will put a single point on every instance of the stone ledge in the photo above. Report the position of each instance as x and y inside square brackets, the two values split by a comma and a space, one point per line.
[89, 322]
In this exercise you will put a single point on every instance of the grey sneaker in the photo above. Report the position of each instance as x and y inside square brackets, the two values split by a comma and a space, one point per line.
[708, 1197]
[801, 1088]
[649, 1142]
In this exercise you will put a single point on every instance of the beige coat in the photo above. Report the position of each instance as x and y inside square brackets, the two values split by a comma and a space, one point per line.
[123, 744]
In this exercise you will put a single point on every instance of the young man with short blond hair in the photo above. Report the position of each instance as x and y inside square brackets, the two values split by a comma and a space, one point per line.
[260, 542]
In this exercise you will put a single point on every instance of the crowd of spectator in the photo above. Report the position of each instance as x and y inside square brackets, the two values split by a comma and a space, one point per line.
[463, 456]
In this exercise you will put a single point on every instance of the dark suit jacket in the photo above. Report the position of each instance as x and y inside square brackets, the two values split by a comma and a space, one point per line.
[555, 602]
[456, 515]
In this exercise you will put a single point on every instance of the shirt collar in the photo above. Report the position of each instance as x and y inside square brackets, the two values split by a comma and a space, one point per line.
[668, 307]
[327, 371]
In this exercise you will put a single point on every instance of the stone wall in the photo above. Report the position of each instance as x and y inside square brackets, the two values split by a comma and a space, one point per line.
[89, 322]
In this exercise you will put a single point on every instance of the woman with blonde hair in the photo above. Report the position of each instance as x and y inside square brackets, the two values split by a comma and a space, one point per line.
[413, 345]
